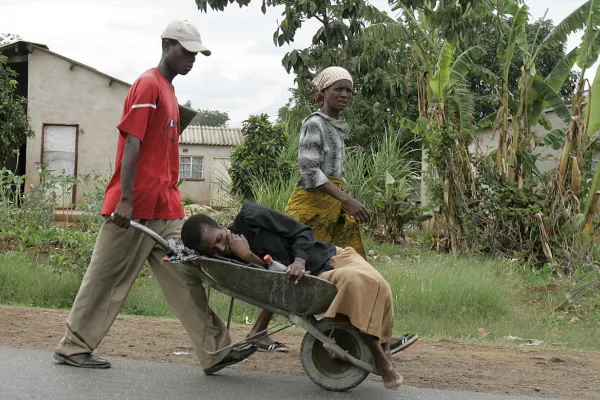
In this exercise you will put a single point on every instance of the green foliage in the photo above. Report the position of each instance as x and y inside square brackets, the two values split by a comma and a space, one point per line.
[456, 21]
[14, 123]
[432, 73]
[485, 79]
[95, 184]
[384, 180]
[23, 282]
[275, 192]
[258, 155]
[592, 109]
[378, 67]
[396, 205]
[28, 219]
[590, 44]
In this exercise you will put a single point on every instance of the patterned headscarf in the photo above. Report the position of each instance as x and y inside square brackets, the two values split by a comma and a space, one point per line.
[328, 77]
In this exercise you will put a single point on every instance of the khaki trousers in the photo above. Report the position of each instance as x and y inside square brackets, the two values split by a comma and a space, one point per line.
[118, 257]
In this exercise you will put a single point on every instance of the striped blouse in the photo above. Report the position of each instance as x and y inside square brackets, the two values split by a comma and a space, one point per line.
[321, 150]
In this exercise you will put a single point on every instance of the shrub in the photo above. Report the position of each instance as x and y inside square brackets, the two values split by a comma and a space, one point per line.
[258, 155]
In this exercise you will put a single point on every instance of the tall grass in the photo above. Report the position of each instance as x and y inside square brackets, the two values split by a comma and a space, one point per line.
[275, 193]
[25, 282]
[291, 123]
[443, 297]
[365, 179]
[365, 169]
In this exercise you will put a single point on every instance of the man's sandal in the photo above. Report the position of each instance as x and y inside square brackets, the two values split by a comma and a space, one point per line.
[403, 343]
[236, 355]
[273, 346]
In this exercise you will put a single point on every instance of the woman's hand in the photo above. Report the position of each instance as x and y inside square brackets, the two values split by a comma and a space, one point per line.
[238, 245]
[356, 210]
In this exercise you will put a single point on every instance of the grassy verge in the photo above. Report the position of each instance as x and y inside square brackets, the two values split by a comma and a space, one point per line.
[483, 300]
[437, 296]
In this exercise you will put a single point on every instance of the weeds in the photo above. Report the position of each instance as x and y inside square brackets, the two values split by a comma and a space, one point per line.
[30, 228]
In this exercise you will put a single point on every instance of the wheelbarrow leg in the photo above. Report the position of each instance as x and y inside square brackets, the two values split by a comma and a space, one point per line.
[230, 313]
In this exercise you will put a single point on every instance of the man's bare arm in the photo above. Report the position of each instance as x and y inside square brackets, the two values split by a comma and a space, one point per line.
[129, 164]
[129, 167]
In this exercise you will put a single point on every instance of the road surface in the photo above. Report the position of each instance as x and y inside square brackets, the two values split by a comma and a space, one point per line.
[32, 374]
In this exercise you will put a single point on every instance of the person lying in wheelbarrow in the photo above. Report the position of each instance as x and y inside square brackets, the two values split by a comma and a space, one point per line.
[363, 295]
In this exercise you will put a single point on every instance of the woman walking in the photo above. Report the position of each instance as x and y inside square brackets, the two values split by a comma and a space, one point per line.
[318, 200]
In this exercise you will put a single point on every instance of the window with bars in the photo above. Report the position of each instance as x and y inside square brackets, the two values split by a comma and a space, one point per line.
[191, 167]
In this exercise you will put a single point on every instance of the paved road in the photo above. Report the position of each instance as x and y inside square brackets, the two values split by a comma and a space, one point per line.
[32, 374]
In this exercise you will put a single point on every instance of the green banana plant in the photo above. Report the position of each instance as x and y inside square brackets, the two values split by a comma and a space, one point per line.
[593, 125]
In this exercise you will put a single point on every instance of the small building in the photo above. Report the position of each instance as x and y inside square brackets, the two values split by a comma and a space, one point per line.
[486, 142]
[74, 110]
[204, 163]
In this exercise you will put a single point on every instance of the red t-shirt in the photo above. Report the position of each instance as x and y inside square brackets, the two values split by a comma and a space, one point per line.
[150, 113]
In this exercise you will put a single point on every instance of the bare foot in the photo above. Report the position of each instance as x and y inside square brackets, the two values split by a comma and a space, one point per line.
[391, 378]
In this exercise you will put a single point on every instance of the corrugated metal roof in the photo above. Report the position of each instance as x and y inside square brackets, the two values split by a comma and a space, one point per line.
[211, 136]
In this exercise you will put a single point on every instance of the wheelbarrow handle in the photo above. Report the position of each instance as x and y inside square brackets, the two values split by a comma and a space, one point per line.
[155, 236]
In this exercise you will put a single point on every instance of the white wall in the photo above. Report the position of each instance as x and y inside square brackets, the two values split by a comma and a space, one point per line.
[199, 192]
[548, 158]
[58, 95]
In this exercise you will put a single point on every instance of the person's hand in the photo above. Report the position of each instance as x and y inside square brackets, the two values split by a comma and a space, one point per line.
[356, 210]
[122, 215]
[238, 245]
[296, 271]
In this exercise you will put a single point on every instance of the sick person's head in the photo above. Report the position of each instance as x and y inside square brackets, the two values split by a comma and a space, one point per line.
[181, 43]
[204, 235]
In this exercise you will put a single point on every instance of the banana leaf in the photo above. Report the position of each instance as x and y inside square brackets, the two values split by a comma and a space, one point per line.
[442, 74]
[592, 107]
[552, 98]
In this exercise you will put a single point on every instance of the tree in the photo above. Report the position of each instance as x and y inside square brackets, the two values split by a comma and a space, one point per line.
[7, 38]
[494, 39]
[211, 118]
[206, 117]
[529, 73]
[380, 98]
[258, 156]
[14, 123]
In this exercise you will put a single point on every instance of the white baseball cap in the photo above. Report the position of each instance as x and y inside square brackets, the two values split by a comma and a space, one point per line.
[187, 35]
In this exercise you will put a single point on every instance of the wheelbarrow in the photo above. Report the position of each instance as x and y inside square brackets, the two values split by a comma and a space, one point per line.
[333, 354]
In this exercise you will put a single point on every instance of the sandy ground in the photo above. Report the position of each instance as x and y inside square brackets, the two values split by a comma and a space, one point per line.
[442, 365]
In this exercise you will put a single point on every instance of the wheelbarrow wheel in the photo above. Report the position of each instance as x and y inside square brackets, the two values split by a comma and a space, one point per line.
[325, 368]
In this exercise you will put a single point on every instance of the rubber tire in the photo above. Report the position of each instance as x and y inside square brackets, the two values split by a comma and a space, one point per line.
[314, 357]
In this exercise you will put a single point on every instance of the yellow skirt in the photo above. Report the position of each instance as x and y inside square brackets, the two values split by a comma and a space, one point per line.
[326, 217]
[364, 296]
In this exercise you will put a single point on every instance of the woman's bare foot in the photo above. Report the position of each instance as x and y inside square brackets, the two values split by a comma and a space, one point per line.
[391, 378]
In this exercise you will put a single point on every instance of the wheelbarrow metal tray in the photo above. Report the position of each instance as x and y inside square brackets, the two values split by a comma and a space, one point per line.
[311, 296]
